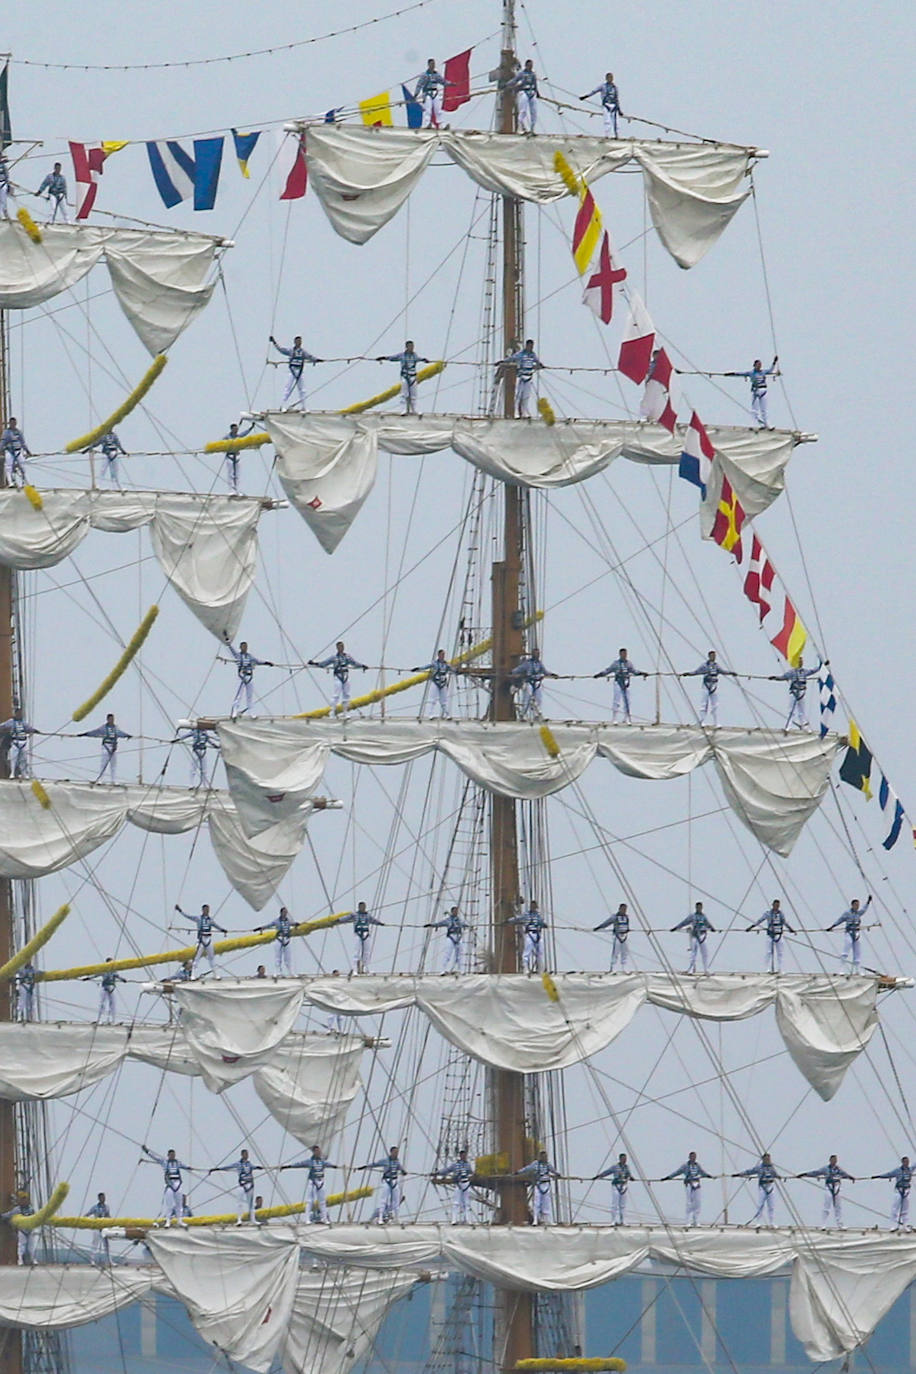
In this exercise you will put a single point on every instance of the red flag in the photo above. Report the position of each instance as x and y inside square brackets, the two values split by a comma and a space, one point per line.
[792, 637]
[759, 580]
[730, 517]
[599, 288]
[458, 71]
[87, 165]
[638, 342]
[298, 177]
[656, 401]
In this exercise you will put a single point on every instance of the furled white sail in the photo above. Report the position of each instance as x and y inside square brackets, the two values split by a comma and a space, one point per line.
[238, 1286]
[773, 781]
[327, 463]
[233, 1026]
[336, 1314]
[308, 1084]
[162, 278]
[206, 545]
[36, 840]
[363, 176]
[41, 1062]
[509, 1022]
[52, 1297]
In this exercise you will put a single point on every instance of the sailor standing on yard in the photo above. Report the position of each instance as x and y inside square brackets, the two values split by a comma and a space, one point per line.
[833, 1176]
[430, 89]
[4, 183]
[540, 1171]
[101, 1212]
[340, 663]
[245, 1171]
[699, 926]
[692, 1173]
[15, 734]
[205, 926]
[534, 925]
[112, 448]
[232, 455]
[454, 929]
[440, 673]
[710, 671]
[460, 1173]
[526, 83]
[172, 1199]
[797, 679]
[408, 360]
[109, 734]
[201, 740]
[619, 925]
[757, 377]
[776, 926]
[14, 446]
[108, 982]
[903, 1179]
[851, 921]
[621, 670]
[26, 979]
[316, 1203]
[362, 924]
[55, 185]
[526, 362]
[610, 99]
[298, 357]
[283, 928]
[245, 664]
[532, 672]
[620, 1177]
[766, 1176]
[390, 1199]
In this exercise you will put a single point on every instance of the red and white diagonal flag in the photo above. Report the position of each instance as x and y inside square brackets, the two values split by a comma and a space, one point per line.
[88, 160]
[758, 583]
[599, 287]
[656, 402]
[638, 342]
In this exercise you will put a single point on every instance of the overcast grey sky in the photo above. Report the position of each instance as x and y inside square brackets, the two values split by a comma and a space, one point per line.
[826, 90]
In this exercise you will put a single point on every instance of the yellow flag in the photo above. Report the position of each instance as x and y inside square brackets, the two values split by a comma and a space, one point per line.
[377, 110]
[113, 145]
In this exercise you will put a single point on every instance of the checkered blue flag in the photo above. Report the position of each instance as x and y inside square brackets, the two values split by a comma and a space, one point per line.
[827, 694]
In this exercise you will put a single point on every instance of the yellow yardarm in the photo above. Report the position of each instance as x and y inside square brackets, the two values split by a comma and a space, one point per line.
[136, 641]
[43, 799]
[422, 376]
[18, 961]
[43, 1214]
[28, 224]
[233, 445]
[115, 418]
[33, 496]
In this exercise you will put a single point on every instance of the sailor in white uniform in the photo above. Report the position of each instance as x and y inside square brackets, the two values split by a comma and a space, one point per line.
[610, 100]
[340, 663]
[245, 1172]
[245, 664]
[15, 733]
[55, 184]
[408, 361]
[430, 89]
[833, 1176]
[851, 921]
[621, 1178]
[766, 1176]
[108, 982]
[699, 926]
[109, 734]
[534, 925]
[390, 1196]
[460, 1173]
[902, 1178]
[776, 926]
[232, 455]
[27, 1240]
[540, 1171]
[172, 1209]
[201, 740]
[532, 672]
[619, 925]
[283, 927]
[4, 183]
[526, 363]
[204, 925]
[362, 923]
[710, 671]
[692, 1172]
[440, 675]
[621, 670]
[315, 1198]
[454, 929]
[26, 979]
[797, 679]
[757, 376]
[526, 83]
[112, 448]
[298, 357]
[100, 1210]
[15, 448]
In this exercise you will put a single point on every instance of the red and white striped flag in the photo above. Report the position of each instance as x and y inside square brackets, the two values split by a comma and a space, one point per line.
[638, 342]
[656, 402]
[758, 583]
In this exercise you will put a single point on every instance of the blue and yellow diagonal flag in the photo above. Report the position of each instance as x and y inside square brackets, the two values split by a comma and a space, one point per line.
[244, 147]
[856, 766]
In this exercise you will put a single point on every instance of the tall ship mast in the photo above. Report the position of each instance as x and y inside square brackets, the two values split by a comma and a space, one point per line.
[301, 1016]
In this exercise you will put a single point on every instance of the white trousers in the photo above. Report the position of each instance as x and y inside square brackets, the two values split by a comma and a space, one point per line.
[531, 700]
[900, 1212]
[527, 111]
[619, 952]
[341, 691]
[618, 1206]
[523, 395]
[24, 1004]
[60, 208]
[610, 122]
[540, 1205]
[336, 1023]
[27, 1242]
[232, 471]
[106, 1005]
[360, 955]
[204, 950]
[111, 472]
[198, 769]
[432, 111]
[3, 195]
[852, 950]
[698, 947]
[709, 707]
[621, 702]
[245, 690]
[832, 1203]
[409, 396]
[283, 962]
[316, 1202]
[693, 1194]
[798, 714]
[171, 1203]
[109, 764]
[389, 1202]
[531, 955]
[453, 952]
[100, 1248]
[759, 408]
[460, 1198]
[14, 467]
[774, 955]
[245, 1204]
[766, 1202]
[295, 383]
[440, 698]
[21, 761]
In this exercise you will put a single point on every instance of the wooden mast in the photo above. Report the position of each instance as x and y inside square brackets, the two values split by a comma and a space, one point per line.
[10, 1339]
[514, 1338]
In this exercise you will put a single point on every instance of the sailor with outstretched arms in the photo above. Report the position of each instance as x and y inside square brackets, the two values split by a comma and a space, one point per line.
[692, 1172]
[315, 1199]
[710, 671]
[204, 925]
[200, 740]
[340, 663]
[27, 1240]
[15, 733]
[540, 1172]
[109, 734]
[460, 1172]
[245, 663]
[621, 670]
[526, 83]
[55, 184]
[851, 921]
[621, 1178]
[454, 929]
[430, 89]
[112, 449]
[108, 982]
[390, 1198]
[757, 376]
[26, 978]
[533, 924]
[766, 1176]
[776, 926]
[232, 455]
[15, 448]
[440, 674]
[902, 1178]
[101, 1211]
[532, 672]
[245, 1171]
[172, 1196]
[408, 361]
[283, 928]
[797, 678]
[362, 923]
[833, 1176]
[619, 926]
[610, 100]
[526, 362]
[699, 926]
[298, 357]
